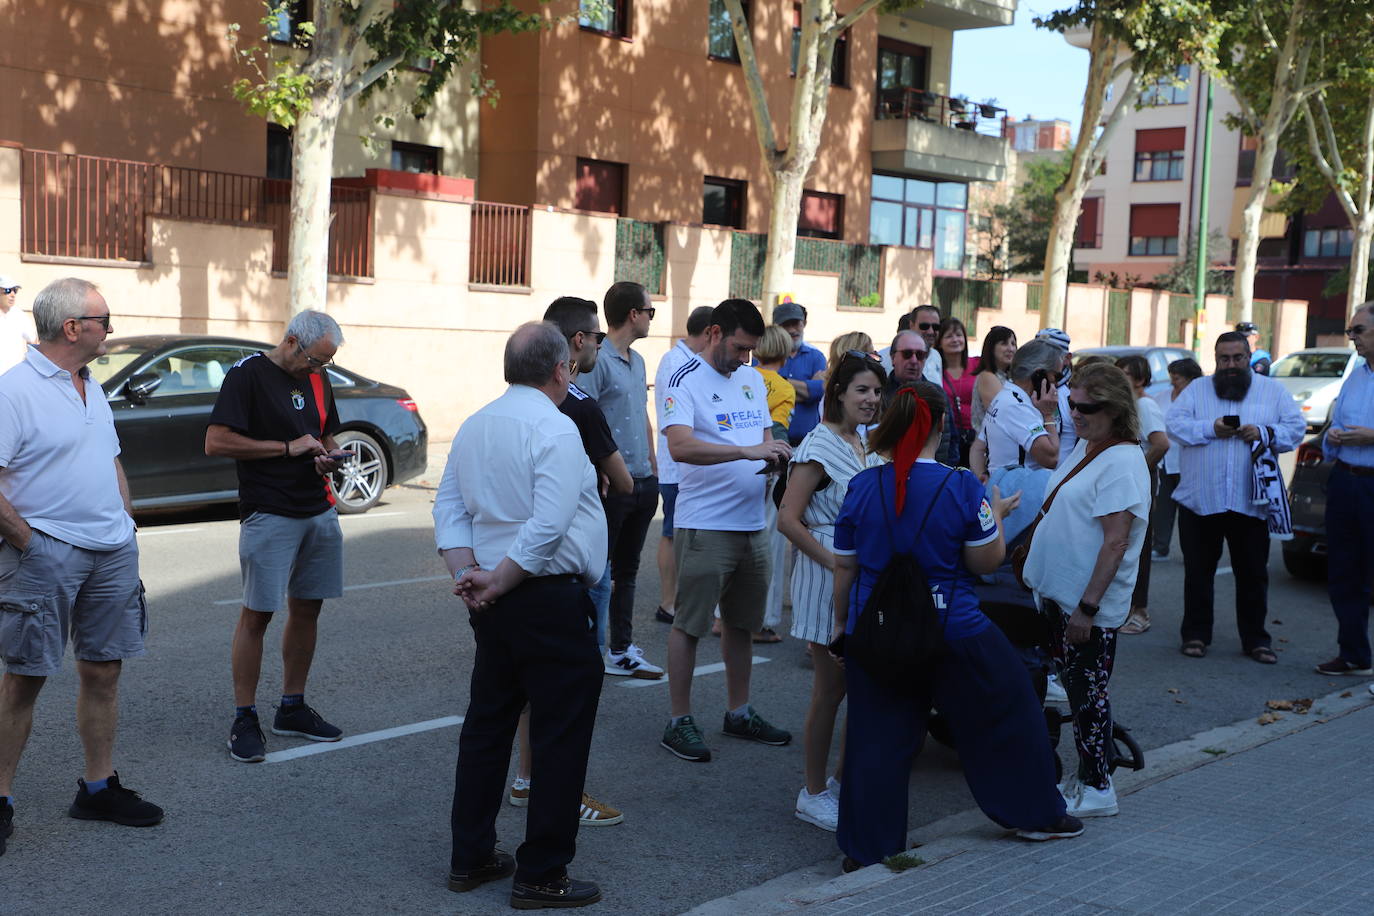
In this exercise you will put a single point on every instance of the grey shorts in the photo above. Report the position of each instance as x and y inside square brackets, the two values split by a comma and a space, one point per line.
[726, 567]
[54, 591]
[297, 557]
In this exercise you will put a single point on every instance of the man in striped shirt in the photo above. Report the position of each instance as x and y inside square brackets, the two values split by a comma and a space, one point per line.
[1215, 420]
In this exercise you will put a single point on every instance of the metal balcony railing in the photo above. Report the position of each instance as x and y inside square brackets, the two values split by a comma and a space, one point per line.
[500, 245]
[958, 114]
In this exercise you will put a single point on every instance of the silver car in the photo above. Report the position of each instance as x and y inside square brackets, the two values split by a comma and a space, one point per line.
[1314, 377]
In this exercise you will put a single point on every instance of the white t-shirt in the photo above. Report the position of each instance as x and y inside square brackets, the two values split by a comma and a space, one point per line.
[16, 333]
[1068, 436]
[1068, 538]
[1169, 463]
[934, 371]
[722, 410]
[1151, 420]
[673, 360]
[1011, 424]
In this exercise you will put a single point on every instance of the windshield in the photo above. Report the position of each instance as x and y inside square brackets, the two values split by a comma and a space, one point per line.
[104, 368]
[1311, 365]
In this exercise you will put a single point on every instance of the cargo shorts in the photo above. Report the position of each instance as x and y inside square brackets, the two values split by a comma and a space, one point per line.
[52, 592]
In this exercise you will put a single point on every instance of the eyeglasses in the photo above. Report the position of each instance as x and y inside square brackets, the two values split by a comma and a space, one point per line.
[1086, 408]
[9, 289]
[103, 319]
[1355, 330]
[597, 335]
[312, 360]
[912, 353]
[651, 311]
[928, 326]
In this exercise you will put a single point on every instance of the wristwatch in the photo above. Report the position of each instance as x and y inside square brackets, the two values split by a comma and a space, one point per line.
[464, 570]
[1088, 609]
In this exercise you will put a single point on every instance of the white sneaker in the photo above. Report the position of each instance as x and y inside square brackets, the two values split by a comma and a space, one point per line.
[1054, 691]
[520, 792]
[1083, 800]
[832, 785]
[631, 663]
[822, 810]
[1371, 688]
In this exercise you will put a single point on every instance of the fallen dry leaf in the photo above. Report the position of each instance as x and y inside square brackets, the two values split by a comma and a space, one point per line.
[1302, 706]
[1173, 690]
[1179, 700]
[1280, 704]
[1268, 718]
[1346, 694]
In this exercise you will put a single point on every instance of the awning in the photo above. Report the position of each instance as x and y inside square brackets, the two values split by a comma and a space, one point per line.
[1273, 225]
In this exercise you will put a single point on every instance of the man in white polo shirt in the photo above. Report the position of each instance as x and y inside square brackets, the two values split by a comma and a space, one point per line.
[715, 417]
[698, 323]
[69, 561]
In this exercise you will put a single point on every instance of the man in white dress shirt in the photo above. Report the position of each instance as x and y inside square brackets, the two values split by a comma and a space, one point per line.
[1215, 420]
[519, 523]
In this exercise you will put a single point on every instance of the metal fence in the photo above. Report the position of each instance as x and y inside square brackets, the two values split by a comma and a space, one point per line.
[1181, 311]
[1118, 317]
[860, 267]
[1035, 294]
[961, 298]
[500, 245]
[639, 254]
[94, 207]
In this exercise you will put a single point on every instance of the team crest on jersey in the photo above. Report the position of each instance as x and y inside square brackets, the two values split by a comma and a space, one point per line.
[669, 404]
[748, 392]
[724, 422]
[297, 399]
[985, 516]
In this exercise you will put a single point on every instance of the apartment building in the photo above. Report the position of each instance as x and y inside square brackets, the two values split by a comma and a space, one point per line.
[640, 109]
[1141, 210]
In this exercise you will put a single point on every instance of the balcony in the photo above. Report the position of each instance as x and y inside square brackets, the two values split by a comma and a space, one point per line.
[962, 14]
[919, 131]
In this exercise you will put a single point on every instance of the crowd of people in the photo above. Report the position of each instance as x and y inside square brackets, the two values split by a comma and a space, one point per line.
[784, 476]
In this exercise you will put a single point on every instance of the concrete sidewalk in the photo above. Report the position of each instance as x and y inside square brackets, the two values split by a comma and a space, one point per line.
[1279, 826]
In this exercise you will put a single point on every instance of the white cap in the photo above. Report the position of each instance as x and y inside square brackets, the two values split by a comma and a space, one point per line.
[8, 282]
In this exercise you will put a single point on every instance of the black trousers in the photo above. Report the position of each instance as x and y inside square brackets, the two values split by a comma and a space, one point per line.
[535, 645]
[628, 516]
[1200, 538]
[1162, 518]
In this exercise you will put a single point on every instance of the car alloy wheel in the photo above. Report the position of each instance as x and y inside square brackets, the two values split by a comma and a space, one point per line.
[360, 479]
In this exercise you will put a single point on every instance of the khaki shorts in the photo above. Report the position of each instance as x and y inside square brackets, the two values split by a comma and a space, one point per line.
[729, 568]
[54, 591]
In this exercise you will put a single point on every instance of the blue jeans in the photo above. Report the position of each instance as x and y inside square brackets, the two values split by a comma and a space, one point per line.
[600, 593]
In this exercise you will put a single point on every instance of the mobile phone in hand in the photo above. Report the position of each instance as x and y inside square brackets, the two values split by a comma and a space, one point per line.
[339, 454]
[1232, 420]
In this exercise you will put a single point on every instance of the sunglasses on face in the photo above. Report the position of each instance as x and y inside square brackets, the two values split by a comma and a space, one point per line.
[1355, 330]
[9, 289]
[103, 319]
[597, 335]
[1086, 408]
[649, 311]
[913, 354]
[928, 326]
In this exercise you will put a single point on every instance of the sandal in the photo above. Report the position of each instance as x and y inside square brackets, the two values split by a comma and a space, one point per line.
[663, 616]
[1264, 655]
[1194, 648]
[1135, 624]
[766, 635]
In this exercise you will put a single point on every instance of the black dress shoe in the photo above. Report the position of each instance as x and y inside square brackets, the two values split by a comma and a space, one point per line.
[564, 892]
[501, 865]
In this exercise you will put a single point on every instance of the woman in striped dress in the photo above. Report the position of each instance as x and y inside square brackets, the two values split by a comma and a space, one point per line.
[821, 468]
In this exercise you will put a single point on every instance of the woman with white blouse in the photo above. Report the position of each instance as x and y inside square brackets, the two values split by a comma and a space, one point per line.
[821, 468]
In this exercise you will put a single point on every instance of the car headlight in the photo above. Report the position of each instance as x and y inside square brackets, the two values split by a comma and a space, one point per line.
[1302, 396]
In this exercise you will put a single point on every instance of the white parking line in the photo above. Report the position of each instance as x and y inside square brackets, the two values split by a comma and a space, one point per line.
[699, 670]
[365, 585]
[1224, 571]
[310, 750]
[149, 534]
[373, 515]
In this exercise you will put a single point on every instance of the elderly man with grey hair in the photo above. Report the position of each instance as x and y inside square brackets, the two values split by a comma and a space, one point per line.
[1020, 428]
[69, 561]
[275, 416]
[519, 523]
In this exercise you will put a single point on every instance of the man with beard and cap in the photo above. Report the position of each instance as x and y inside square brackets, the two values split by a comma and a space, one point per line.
[1216, 425]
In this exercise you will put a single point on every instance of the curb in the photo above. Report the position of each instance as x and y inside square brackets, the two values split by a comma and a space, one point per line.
[956, 834]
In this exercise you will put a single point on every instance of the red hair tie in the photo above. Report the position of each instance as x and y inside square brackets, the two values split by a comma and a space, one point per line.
[910, 445]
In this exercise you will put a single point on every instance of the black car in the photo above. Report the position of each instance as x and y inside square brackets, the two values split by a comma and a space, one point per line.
[162, 388]
[1305, 555]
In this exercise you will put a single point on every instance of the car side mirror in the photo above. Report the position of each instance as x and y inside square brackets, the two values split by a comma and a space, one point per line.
[140, 386]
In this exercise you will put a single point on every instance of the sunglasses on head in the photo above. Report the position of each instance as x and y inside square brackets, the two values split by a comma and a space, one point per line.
[1086, 408]
[860, 354]
[912, 353]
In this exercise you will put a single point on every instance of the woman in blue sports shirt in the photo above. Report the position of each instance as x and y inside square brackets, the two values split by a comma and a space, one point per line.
[979, 685]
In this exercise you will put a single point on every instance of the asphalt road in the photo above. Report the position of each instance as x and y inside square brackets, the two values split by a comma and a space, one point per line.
[363, 828]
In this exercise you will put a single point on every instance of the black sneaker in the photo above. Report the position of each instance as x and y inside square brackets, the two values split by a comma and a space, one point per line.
[1067, 827]
[6, 825]
[246, 743]
[756, 728]
[563, 893]
[684, 739]
[114, 803]
[501, 865]
[302, 721]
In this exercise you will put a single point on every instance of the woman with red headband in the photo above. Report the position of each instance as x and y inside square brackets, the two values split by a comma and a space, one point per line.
[979, 684]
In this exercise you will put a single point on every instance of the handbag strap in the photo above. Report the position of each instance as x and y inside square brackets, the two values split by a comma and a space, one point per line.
[1087, 460]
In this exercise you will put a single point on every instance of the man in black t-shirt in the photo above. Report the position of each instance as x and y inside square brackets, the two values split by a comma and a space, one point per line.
[275, 416]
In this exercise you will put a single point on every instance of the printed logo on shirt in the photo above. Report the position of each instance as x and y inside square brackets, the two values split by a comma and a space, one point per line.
[669, 404]
[937, 598]
[748, 392]
[297, 399]
[985, 516]
[739, 419]
[715, 398]
[723, 421]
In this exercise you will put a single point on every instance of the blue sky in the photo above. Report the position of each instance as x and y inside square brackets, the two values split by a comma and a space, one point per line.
[1029, 71]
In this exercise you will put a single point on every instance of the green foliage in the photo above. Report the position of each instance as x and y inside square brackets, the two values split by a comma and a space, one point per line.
[1160, 34]
[870, 301]
[1338, 284]
[902, 861]
[1182, 276]
[1026, 219]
